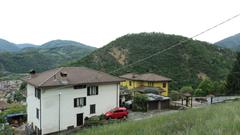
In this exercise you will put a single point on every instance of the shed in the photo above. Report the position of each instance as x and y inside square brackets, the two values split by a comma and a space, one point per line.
[157, 102]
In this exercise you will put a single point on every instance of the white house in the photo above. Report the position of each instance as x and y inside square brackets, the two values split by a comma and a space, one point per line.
[60, 99]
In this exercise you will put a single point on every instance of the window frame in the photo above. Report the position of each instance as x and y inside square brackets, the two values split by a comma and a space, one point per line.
[82, 86]
[37, 113]
[164, 85]
[37, 93]
[79, 102]
[92, 90]
[93, 110]
[151, 84]
[130, 83]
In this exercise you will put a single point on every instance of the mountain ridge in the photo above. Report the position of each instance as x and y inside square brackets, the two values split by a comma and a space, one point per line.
[232, 42]
[39, 58]
[185, 64]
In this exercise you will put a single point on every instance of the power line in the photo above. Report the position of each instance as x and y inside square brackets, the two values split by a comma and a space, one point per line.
[177, 44]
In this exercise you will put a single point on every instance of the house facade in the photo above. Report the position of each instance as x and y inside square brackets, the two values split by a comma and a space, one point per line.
[61, 99]
[133, 81]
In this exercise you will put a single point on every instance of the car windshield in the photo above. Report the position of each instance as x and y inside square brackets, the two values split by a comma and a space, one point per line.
[113, 110]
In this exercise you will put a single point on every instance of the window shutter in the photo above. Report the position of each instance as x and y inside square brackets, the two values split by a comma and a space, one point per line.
[96, 90]
[88, 90]
[84, 101]
[75, 102]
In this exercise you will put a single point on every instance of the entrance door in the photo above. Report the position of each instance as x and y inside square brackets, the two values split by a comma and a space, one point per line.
[80, 119]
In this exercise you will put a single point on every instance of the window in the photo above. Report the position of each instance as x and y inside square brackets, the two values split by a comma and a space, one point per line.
[150, 83]
[117, 111]
[38, 93]
[79, 102]
[164, 85]
[92, 90]
[79, 86]
[130, 83]
[37, 113]
[92, 109]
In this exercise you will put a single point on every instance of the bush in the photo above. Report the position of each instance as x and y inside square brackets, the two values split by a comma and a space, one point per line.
[95, 121]
[199, 93]
[140, 103]
[175, 95]
[6, 130]
[186, 89]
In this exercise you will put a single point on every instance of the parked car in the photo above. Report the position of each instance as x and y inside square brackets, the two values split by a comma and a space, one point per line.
[117, 113]
[128, 104]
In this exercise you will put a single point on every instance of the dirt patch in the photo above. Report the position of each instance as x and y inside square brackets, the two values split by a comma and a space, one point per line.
[202, 76]
[119, 54]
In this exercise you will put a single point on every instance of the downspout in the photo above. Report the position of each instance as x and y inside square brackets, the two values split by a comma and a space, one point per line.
[41, 111]
[118, 94]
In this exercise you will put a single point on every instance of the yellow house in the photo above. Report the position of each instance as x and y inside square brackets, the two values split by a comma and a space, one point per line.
[133, 81]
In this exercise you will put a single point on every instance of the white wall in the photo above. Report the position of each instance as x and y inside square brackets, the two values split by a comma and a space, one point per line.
[32, 104]
[105, 100]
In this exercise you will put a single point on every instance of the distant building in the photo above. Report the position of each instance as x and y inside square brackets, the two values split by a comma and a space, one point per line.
[61, 99]
[141, 81]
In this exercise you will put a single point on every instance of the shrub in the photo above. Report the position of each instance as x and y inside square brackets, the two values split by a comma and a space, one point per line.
[199, 93]
[175, 95]
[140, 103]
[186, 89]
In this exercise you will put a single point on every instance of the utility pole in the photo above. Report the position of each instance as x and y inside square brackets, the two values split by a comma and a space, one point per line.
[59, 112]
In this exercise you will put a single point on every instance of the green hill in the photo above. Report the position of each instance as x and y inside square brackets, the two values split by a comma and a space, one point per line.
[6, 46]
[42, 58]
[221, 119]
[232, 42]
[61, 43]
[25, 45]
[185, 64]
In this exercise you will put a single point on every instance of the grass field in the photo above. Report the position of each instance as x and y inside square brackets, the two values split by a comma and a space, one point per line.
[220, 119]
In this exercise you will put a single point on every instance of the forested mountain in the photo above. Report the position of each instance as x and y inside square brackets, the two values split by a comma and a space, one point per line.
[61, 43]
[26, 45]
[232, 42]
[185, 64]
[7, 46]
[40, 58]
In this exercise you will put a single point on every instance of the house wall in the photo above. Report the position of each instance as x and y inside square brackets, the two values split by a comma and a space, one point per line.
[32, 103]
[136, 84]
[107, 98]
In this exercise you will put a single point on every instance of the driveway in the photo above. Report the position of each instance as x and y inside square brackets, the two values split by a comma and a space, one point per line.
[149, 114]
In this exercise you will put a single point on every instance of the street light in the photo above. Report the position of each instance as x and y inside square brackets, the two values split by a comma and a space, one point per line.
[59, 112]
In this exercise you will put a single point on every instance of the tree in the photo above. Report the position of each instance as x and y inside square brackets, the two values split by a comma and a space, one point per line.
[186, 89]
[219, 87]
[233, 79]
[199, 93]
[206, 86]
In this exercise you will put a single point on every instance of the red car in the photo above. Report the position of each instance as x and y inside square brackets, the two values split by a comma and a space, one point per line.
[117, 113]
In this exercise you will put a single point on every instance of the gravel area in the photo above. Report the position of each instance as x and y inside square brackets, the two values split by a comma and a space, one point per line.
[149, 114]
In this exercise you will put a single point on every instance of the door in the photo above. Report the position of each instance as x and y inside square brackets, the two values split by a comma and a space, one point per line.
[117, 114]
[153, 105]
[80, 119]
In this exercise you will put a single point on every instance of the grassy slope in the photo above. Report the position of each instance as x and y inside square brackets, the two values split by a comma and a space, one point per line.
[222, 119]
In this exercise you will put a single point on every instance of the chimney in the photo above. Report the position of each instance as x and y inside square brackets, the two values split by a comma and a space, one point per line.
[63, 78]
[63, 74]
[32, 73]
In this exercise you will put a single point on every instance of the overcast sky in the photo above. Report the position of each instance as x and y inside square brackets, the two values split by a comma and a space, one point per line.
[97, 22]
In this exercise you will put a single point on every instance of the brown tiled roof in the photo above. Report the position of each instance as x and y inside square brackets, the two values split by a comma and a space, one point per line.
[75, 75]
[145, 77]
